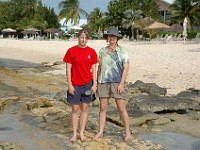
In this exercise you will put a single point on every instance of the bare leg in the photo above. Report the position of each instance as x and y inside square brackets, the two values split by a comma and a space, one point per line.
[75, 110]
[102, 117]
[83, 120]
[125, 118]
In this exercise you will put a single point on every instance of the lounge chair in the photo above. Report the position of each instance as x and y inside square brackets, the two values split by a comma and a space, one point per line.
[197, 38]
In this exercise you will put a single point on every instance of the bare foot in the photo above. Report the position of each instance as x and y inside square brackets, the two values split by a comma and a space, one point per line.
[127, 138]
[82, 138]
[73, 139]
[97, 136]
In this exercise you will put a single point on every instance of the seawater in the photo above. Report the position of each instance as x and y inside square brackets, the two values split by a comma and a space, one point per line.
[173, 141]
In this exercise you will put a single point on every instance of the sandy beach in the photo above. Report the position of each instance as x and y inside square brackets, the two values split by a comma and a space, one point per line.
[174, 65]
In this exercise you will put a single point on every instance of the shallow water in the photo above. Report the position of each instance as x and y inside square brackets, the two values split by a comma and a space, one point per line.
[16, 64]
[173, 141]
[16, 132]
[13, 128]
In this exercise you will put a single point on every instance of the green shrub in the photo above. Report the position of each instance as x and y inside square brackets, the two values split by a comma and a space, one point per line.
[191, 34]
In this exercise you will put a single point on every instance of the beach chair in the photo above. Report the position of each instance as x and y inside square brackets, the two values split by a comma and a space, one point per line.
[197, 38]
[160, 37]
[125, 38]
[164, 39]
[174, 37]
[168, 39]
[179, 37]
[140, 37]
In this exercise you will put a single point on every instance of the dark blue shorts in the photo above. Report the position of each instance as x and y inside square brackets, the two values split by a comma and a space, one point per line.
[79, 95]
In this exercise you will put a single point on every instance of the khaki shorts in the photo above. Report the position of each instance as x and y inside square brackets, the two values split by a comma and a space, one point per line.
[109, 90]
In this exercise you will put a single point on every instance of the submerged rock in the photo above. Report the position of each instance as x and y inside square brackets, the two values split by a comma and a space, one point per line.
[10, 146]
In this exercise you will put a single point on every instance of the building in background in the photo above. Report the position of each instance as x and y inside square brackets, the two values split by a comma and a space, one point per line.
[164, 7]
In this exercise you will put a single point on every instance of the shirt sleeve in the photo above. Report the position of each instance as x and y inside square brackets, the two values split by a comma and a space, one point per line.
[125, 56]
[67, 58]
[100, 55]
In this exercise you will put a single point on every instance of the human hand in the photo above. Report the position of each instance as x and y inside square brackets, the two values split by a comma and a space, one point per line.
[71, 89]
[94, 89]
[120, 88]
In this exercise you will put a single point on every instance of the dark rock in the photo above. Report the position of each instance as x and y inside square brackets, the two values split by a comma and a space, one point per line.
[154, 89]
[160, 121]
[58, 63]
[150, 88]
[157, 104]
[189, 93]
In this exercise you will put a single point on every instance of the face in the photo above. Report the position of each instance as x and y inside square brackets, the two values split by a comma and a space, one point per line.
[82, 40]
[112, 39]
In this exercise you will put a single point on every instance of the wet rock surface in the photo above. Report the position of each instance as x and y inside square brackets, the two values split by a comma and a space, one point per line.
[32, 104]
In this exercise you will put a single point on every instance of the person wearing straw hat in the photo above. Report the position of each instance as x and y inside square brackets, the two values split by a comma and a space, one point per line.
[81, 63]
[112, 71]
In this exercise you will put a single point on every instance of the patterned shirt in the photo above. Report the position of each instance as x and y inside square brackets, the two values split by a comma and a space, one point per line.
[112, 64]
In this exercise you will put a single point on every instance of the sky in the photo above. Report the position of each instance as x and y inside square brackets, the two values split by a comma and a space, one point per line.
[87, 5]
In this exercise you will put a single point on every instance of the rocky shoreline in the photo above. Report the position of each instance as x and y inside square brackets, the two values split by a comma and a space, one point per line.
[35, 99]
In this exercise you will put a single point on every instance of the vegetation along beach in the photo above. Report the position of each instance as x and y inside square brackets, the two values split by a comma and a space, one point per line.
[163, 88]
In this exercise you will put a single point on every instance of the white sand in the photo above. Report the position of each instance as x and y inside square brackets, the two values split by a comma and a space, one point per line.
[175, 66]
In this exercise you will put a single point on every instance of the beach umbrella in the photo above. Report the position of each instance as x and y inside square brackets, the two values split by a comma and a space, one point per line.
[147, 21]
[54, 31]
[175, 28]
[184, 29]
[152, 28]
[157, 25]
[8, 30]
[32, 31]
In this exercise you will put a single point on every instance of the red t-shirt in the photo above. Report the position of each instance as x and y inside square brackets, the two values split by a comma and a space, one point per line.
[82, 60]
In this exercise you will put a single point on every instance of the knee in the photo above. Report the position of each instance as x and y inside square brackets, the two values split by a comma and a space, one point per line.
[75, 111]
[103, 109]
[84, 109]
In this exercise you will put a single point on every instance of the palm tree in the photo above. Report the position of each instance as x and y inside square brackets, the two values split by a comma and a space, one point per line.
[185, 8]
[96, 21]
[129, 20]
[30, 8]
[70, 10]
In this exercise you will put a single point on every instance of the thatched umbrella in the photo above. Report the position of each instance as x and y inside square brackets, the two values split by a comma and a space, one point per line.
[32, 31]
[155, 26]
[54, 31]
[8, 30]
[175, 28]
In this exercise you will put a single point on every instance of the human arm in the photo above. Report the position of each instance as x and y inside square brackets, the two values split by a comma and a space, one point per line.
[94, 78]
[98, 71]
[120, 89]
[71, 88]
